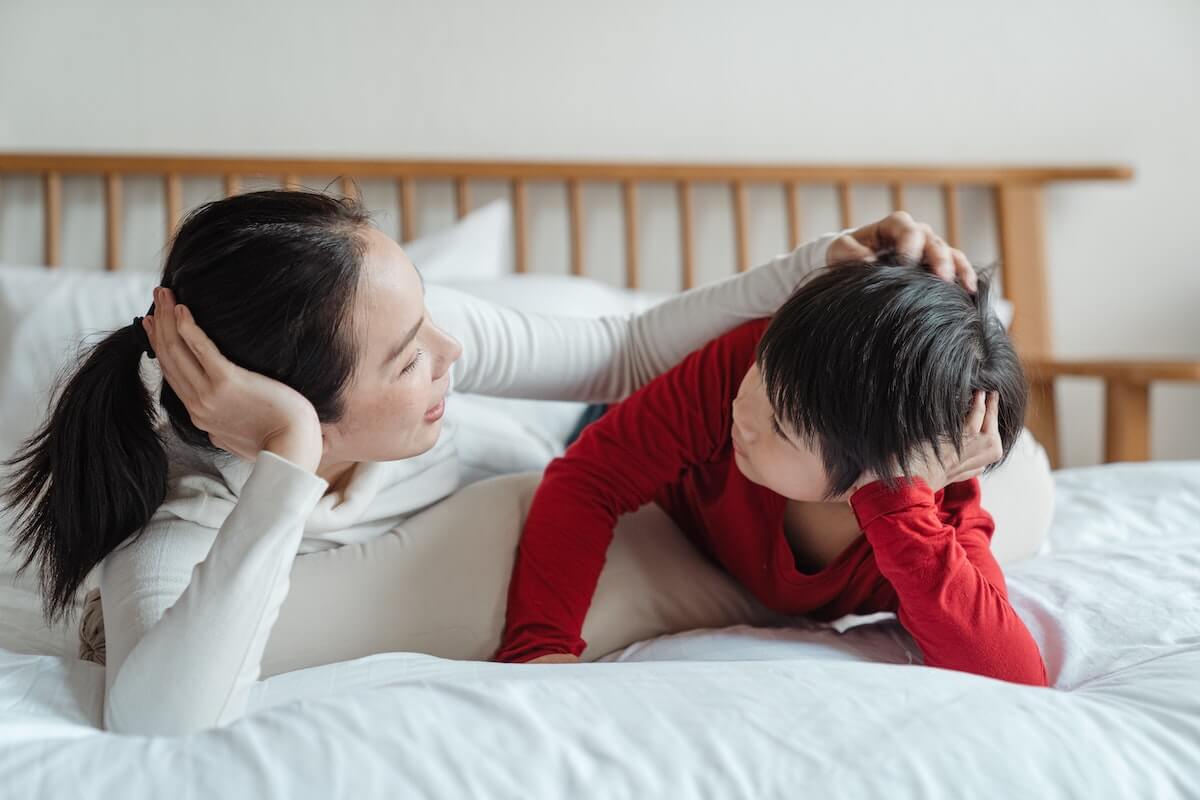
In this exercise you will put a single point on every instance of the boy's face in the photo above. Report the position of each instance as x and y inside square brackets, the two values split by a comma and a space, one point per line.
[768, 452]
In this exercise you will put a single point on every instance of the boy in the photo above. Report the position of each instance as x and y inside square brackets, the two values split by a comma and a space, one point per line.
[822, 458]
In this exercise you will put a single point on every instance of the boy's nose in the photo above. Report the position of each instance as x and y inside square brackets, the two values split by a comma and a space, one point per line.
[745, 436]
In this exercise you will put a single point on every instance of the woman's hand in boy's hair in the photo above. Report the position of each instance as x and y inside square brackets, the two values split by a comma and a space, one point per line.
[981, 446]
[900, 233]
[554, 658]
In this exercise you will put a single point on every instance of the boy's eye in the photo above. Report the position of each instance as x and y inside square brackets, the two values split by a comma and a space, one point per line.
[412, 364]
[778, 430]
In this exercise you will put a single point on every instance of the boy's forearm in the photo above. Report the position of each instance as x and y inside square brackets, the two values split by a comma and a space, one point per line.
[558, 565]
[959, 617]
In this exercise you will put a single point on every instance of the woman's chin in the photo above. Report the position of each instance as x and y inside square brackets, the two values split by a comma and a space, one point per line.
[429, 435]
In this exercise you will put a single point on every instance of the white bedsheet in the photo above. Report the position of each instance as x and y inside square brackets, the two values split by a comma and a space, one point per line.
[733, 713]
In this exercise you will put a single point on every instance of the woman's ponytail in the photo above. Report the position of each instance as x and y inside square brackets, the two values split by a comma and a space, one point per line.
[92, 475]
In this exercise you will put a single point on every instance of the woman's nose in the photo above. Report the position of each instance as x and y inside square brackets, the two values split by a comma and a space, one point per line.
[449, 351]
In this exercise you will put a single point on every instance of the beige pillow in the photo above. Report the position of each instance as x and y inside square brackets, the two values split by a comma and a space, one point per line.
[1019, 495]
[438, 583]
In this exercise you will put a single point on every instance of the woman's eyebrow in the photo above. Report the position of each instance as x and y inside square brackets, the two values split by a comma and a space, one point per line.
[398, 349]
[404, 343]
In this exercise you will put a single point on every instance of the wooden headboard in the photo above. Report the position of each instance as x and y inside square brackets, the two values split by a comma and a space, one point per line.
[1018, 193]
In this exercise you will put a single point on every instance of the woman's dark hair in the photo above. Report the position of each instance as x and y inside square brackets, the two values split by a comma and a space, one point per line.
[868, 362]
[271, 277]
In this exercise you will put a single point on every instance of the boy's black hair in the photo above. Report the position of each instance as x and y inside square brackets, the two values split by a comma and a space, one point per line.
[868, 362]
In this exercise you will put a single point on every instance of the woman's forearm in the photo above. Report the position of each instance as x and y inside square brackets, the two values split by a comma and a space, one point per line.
[513, 354]
[184, 658]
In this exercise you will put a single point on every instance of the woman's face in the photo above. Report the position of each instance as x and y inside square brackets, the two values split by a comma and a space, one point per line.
[768, 452]
[395, 402]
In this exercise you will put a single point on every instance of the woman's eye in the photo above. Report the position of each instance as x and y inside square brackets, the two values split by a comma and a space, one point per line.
[412, 364]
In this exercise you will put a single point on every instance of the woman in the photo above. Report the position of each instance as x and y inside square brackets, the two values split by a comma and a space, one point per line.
[307, 414]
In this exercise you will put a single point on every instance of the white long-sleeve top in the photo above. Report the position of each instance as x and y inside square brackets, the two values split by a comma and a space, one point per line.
[189, 603]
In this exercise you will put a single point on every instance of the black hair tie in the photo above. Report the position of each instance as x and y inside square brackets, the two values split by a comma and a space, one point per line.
[141, 332]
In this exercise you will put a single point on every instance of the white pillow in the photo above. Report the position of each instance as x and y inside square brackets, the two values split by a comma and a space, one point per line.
[44, 314]
[478, 246]
[563, 295]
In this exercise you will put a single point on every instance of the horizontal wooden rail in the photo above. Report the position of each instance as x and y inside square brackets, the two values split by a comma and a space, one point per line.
[74, 164]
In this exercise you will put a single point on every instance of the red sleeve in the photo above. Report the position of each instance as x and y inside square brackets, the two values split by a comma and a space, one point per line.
[617, 466]
[953, 599]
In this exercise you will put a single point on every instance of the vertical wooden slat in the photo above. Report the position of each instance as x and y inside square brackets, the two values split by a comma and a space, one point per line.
[950, 204]
[575, 212]
[1126, 421]
[791, 196]
[292, 181]
[519, 223]
[898, 200]
[462, 196]
[629, 196]
[684, 191]
[52, 202]
[350, 188]
[408, 209]
[845, 205]
[173, 192]
[1020, 210]
[1041, 416]
[233, 185]
[1020, 219]
[112, 215]
[741, 243]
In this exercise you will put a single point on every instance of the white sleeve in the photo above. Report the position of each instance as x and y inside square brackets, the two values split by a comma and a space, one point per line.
[514, 354]
[188, 610]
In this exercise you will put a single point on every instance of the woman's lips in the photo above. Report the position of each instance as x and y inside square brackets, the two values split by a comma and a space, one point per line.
[435, 413]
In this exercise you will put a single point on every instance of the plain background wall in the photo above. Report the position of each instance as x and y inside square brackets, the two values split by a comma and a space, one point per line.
[931, 81]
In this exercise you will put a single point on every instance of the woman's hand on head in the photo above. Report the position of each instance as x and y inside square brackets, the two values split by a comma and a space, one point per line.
[243, 412]
[899, 232]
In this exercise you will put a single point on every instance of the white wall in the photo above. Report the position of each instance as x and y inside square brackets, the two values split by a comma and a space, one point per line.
[925, 81]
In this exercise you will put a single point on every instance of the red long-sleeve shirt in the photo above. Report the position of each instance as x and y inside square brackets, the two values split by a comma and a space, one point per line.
[923, 555]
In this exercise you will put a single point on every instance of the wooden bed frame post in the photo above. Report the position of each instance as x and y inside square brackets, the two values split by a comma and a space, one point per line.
[1020, 210]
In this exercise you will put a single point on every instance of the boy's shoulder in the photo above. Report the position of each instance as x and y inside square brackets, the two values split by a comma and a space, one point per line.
[740, 343]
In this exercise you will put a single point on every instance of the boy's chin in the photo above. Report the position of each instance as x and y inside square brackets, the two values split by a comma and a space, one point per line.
[787, 492]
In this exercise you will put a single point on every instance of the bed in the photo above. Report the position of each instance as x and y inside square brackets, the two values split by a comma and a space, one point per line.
[1113, 601]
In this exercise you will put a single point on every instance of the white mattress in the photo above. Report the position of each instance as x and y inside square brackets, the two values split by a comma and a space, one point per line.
[732, 713]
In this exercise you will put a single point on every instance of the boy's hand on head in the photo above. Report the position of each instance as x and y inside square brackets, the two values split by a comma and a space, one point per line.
[981, 446]
[899, 232]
